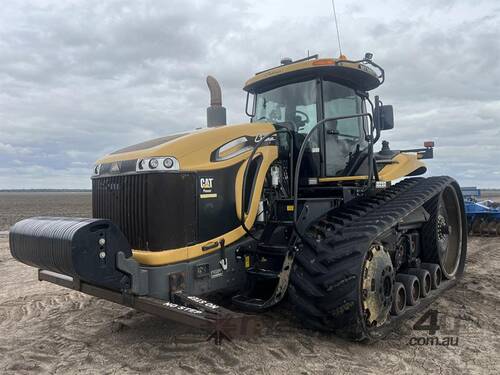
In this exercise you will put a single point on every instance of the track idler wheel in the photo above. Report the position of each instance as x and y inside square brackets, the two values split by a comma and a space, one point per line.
[412, 286]
[398, 299]
[435, 272]
[443, 233]
[424, 277]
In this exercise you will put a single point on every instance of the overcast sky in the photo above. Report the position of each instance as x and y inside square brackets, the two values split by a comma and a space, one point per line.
[79, 79]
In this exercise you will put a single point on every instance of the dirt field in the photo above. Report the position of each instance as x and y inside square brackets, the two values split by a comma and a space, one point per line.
[18, 206]
[48, 329]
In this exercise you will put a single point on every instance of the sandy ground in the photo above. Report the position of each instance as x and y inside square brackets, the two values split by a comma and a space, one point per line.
[48, 329]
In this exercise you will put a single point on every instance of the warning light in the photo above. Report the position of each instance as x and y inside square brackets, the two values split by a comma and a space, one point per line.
[429, 144]
[324, 62]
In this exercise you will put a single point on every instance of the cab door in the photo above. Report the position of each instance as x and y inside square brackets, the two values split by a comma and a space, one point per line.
[345, 145]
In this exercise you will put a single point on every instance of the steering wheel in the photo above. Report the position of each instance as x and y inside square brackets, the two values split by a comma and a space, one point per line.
[306, 117]
[274, 116]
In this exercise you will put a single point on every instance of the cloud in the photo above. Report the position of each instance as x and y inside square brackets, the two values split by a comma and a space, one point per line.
[82, 78]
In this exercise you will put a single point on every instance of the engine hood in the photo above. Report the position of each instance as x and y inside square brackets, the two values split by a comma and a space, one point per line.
[195, 150]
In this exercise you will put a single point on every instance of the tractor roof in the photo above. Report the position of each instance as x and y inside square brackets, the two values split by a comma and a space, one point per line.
[356, 75]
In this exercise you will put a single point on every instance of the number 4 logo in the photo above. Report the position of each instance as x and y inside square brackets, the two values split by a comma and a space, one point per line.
[432, 327]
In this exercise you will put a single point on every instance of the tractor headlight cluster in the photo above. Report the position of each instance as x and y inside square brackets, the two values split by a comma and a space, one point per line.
[168, 163]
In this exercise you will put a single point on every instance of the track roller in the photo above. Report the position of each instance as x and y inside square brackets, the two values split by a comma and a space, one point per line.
[412, 286]
[424, 277]
[435, 271]
[399, 299]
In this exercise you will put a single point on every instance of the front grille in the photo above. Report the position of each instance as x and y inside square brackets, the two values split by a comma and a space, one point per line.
[155, 211]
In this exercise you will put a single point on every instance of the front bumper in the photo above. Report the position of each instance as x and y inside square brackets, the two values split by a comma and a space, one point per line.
[221, 323]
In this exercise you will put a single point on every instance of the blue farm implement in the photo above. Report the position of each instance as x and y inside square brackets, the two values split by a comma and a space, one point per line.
[483, 217]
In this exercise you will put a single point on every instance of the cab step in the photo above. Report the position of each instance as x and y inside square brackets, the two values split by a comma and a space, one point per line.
[250, 303]
[262, 273]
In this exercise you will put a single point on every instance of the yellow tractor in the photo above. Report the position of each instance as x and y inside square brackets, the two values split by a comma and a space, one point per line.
[296, 203]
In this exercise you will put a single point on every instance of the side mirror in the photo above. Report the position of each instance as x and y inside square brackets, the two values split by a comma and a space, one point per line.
[250, 114]
[384, 117]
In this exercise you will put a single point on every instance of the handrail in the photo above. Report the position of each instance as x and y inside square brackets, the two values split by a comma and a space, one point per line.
[381, 76]
[245, 174]
[302, 150]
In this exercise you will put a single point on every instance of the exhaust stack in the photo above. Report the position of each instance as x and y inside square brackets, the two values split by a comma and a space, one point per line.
[216, 113]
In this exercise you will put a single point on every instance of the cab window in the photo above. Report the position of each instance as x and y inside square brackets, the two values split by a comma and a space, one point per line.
[343, 101]
[345, 139]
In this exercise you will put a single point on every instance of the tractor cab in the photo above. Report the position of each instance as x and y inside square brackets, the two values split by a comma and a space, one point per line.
[333, 92]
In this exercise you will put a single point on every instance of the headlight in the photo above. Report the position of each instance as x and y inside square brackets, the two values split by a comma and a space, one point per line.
[153, 163]
[168, 163]
[157, 164]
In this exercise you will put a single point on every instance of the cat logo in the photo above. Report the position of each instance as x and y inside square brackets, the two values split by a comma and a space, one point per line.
[260, 137]
[206, 183]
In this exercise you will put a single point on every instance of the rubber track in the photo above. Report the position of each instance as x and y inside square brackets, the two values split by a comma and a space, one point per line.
[429, 233]
[325, 281]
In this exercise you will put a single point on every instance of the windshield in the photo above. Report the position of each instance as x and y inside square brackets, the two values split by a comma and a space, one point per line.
[295, 102]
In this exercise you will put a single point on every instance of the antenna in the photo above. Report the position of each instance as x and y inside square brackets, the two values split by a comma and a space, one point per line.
[336, 26]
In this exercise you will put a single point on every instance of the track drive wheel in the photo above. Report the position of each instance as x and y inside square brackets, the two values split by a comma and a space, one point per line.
[377, 286]
[351, 296]
[442, 234]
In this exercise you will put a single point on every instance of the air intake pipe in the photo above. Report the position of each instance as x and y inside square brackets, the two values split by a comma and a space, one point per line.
[216, 113]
